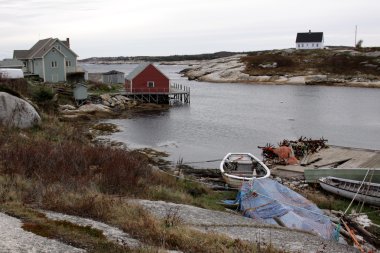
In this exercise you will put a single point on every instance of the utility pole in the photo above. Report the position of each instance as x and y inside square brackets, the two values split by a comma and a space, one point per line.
[356, 32]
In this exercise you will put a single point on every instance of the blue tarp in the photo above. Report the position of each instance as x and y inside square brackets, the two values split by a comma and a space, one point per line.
[267, 200]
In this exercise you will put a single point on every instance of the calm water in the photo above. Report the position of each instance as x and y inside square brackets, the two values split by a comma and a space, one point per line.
[226, 118]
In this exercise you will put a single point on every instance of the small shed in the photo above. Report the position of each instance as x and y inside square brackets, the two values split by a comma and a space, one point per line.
[95, 77]
[113, 77]
[147, 78]
[80, 93]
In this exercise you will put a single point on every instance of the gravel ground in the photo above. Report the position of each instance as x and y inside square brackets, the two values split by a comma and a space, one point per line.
[14, 239]
[243, 228]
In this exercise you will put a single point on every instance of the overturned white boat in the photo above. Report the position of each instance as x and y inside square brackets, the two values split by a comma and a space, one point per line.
[362, 191]
[239, 167]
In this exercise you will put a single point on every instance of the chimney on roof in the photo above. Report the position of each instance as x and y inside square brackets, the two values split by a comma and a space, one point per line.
[309, 31]
[68, 42]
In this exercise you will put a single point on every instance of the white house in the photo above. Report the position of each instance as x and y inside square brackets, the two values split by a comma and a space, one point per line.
[310, 40]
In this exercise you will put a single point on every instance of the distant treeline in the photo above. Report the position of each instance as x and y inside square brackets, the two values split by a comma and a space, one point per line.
[163, 58]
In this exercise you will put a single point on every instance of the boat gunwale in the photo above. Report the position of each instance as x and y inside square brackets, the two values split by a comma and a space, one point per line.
[239, 177]
[348, 190]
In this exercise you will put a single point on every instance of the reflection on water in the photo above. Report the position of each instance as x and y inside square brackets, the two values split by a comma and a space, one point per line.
[226, 118]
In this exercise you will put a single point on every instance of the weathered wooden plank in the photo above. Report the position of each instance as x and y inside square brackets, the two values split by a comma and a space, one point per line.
[292, 168]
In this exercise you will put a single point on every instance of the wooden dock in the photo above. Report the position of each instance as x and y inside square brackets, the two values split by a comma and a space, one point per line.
[176, 92]
[334, 158]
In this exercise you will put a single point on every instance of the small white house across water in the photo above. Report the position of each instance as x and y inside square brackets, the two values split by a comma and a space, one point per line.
[310, 40]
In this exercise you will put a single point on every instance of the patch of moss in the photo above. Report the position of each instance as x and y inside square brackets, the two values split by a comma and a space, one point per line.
[85, 237]
[105, 128]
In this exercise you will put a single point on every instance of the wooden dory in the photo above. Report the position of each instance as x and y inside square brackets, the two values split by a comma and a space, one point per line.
[239, 167]
[369, 192]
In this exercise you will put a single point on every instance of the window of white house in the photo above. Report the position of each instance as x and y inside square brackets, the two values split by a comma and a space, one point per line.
[68, 63]
[150, 84]
[53, 64]
[316, 45]
[312, 45]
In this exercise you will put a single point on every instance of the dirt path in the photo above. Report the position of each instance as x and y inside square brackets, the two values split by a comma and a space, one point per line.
[243, 228]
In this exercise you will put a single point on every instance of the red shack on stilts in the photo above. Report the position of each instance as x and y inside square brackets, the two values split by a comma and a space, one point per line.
[148, 84]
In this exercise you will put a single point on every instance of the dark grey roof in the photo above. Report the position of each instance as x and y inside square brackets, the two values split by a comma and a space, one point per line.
[39, 49]
[113, 72]
[40, 46]
[20, 54]
[137, 70]
[309, 37]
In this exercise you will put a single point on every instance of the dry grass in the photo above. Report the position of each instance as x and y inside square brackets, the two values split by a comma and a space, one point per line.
[105, 128]
[73, 165]
[326, 200]
[168, 233]
[281, 60]
[41, 95]
[55, 167]
[345, 64]
[56, 157]
[301, 62]
[16, 87]
[254, 62]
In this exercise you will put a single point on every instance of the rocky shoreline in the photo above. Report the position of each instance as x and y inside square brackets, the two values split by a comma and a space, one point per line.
[106, 106]
[232, 70]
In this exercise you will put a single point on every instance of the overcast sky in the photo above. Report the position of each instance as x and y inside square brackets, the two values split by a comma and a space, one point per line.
[168, 27]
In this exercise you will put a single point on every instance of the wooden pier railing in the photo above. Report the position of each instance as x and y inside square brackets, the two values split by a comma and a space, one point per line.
[180, 93]
[149, 90]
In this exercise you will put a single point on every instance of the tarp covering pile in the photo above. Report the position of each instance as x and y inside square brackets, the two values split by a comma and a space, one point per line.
[268, 201]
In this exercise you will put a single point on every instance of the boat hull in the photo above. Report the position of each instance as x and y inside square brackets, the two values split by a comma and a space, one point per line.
[373, 200]
[313, 175]
[234, 182]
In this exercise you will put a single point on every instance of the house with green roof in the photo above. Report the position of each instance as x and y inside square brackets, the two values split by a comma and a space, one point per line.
[51, 59]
